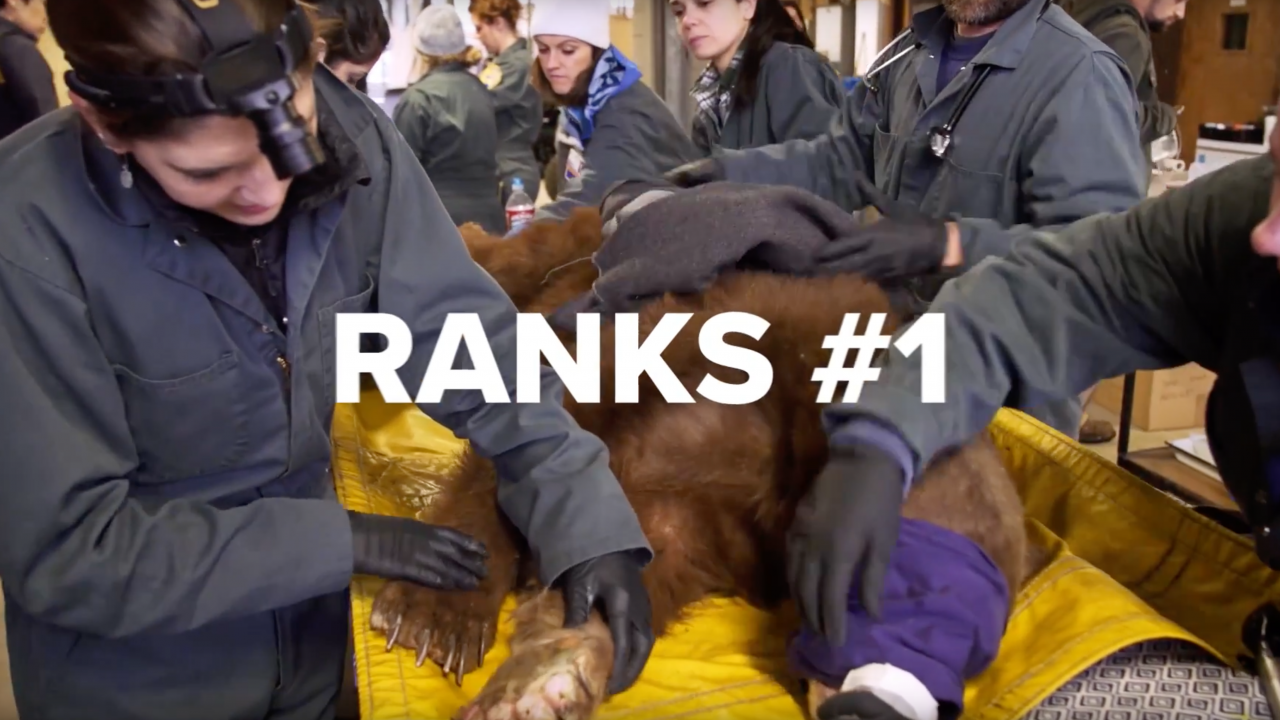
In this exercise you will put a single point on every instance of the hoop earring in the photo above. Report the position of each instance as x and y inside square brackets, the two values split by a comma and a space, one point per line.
[126, 175]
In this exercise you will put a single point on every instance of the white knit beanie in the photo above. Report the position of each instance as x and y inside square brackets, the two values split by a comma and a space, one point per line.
[438, 31]
[585, 20]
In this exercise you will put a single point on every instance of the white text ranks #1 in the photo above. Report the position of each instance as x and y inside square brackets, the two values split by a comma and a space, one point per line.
[534, 340]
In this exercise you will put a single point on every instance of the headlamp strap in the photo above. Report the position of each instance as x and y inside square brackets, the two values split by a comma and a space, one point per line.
[240, 59]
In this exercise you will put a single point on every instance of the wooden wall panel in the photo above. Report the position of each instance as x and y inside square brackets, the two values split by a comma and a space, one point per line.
[1218, 85]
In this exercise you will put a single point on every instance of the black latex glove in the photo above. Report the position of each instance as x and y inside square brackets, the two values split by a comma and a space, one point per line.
[614, 581]
[698, 172]
[399, 548]
[896, 210]
[905, 243]
[887, 250]
[848, 521]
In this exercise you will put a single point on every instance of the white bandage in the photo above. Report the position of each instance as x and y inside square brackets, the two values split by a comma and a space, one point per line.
[896, 687]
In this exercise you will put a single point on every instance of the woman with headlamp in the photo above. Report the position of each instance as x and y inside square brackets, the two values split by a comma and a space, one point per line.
[173, 253]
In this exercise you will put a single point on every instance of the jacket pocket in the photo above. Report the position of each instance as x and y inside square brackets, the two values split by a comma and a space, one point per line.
[357, 303]
[969, 193]
[188, 426]
[885, 159]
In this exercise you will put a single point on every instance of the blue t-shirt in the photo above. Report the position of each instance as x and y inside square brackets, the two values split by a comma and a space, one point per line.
[958, 52]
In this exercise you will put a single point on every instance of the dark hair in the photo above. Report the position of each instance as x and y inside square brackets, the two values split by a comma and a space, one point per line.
[144, 38]
[355, 31]
[577, 97]
[490, 10]
[771, 24]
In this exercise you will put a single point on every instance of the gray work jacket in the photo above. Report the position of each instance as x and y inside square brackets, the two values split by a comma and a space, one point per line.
[1051, 136]
[1119, 24]
[636, 137]
[1172, 281]
[447, 117]
[797, 95]
[518, 110]
[166, 504]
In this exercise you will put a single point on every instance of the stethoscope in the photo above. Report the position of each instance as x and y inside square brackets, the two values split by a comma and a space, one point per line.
[871, 84]
[939, 136]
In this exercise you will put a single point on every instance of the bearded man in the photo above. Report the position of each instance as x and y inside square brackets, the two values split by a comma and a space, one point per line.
[985, 115]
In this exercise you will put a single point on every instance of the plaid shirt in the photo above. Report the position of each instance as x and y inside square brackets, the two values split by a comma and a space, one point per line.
[713, 93]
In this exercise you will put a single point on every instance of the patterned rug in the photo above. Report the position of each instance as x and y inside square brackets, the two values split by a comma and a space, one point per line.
[1158, 680]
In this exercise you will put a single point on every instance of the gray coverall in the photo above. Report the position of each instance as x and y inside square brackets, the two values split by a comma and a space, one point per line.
[1050, 137]
[170, 542]
[797, 95]
[447, 117]
[1174, 280]
[636, 137]
[518, 108]
[26, 83]
[1119, 24]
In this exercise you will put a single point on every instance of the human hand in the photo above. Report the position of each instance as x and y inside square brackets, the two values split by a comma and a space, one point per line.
[698, 172]
[848, 520]
[398, 548]
[614, 580]
[895, 210]
[887, 251]
[624, 198]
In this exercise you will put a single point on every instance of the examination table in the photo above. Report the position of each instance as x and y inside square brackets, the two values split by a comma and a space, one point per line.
[1138, 613]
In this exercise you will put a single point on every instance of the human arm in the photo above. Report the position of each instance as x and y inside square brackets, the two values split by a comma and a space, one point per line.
[1106, 296]
[555, 484]
[27, 77]
[77, 549]
[413, 120]
[514, 89]
[621, 148]
[1122, 33]
[823, 164]
[1083, 157]
[803, 93]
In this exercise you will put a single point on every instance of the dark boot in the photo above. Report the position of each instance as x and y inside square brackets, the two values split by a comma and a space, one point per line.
[1094, 432]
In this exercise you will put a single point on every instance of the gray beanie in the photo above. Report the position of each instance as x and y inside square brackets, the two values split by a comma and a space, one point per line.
[438, 31]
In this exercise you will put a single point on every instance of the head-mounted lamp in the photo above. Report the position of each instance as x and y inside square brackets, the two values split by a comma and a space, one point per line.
[247, 73]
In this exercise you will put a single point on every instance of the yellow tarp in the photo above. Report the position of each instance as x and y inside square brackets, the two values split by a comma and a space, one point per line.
[1128, 564]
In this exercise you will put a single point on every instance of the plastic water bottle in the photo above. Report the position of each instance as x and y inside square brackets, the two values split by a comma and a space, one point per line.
[519, 207]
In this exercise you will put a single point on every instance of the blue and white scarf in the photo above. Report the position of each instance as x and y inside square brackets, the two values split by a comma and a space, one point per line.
[614, 73]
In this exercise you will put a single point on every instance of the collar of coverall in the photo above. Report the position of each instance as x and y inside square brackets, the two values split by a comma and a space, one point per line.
[1006, 48]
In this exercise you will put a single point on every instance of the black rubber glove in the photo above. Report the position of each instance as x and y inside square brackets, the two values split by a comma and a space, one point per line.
[614, 581]
[698, 172]
[849, 519]
[399, 548]
[896, 210]
[905, 243]
[887, 250]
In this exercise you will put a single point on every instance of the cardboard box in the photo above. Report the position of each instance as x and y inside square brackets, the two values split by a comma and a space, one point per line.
[1171, 399]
